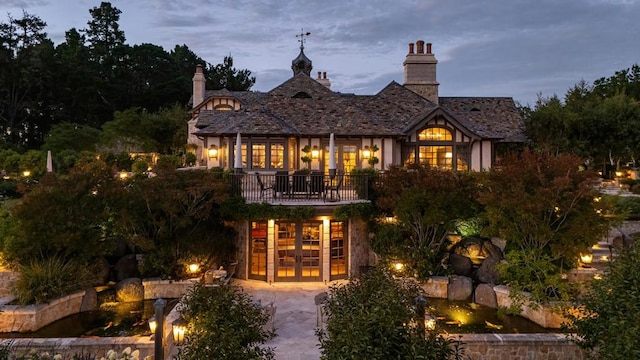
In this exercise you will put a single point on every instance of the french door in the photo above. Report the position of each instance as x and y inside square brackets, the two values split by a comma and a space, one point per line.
[298, 251]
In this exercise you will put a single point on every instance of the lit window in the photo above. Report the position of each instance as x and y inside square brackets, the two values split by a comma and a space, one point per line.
[277, 156]
[437, 156]
[243, 153]
[258, 156]
[435, 134]
[223, 107]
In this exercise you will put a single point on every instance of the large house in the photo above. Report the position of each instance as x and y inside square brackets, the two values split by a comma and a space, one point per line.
[289, 128]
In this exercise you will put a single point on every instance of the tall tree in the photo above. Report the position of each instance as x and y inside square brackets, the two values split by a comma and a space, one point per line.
[225, 76]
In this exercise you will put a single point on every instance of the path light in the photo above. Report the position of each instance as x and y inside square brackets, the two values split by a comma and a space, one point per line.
[26, 173]
[179, 328]
[398, 266]
[194, 267]
[123, 175]
[586, 259]
[429, 322]
[152, 325]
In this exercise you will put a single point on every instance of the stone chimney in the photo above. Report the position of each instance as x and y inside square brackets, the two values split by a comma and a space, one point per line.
[322, 79]
[420, 71]
[198, 86]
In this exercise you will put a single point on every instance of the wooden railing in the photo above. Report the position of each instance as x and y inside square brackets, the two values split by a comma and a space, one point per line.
[283, 187]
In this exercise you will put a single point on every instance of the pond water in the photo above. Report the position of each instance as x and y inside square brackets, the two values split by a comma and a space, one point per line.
[460, 317]
[112, 319]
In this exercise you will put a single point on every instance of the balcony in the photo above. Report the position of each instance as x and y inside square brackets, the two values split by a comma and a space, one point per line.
[284, 188]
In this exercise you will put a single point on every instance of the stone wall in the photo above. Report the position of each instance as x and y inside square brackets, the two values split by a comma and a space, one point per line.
[33, 317]
[360, 251]
[81, 346]
[166, 289]
[7, 279]
[543, 315]
[519, 347]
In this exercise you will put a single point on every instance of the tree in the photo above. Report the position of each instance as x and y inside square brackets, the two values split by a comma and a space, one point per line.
[427, 203]
[376, 317]
[545, 207]
[104, 35]
[548, 126]
[225, 76]
[70, 136]
[225, 324]
[606, 323]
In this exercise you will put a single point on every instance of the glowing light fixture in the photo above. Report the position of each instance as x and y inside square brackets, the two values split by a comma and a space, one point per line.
[366, 152]
[152, 325]
[26, 173]
[586, 260]
[194, 267]
[315, 152]
[123, 175]
[213, 152]
[429, 322]
[398, 266]
[179, 329]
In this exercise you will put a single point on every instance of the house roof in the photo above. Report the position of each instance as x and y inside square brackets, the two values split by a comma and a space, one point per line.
[302, 106]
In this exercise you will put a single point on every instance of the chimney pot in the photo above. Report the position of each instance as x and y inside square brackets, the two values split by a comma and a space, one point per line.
[428, 48]
[318, 74]
[324, 75]
[420, 44]
[198, 68]
[411, 48]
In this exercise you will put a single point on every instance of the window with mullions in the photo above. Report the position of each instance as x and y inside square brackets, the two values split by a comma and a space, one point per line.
[258, 156]
[435, 134]
[276, 156]
[338, 261]
[437, 156]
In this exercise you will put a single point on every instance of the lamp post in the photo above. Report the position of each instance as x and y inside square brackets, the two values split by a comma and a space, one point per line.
[421, 304]
[159, 333]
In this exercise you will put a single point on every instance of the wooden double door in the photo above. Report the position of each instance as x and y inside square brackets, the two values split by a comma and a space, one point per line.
[298, 251]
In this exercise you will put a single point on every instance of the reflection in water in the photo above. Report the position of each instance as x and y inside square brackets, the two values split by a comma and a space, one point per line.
[460, 317]
[112, 319]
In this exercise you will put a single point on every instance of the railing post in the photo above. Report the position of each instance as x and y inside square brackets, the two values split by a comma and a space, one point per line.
[159, 335]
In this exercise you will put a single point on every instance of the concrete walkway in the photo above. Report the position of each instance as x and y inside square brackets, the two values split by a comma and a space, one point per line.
[295, 319]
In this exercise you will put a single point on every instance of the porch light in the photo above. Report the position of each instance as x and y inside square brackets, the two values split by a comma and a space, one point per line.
[366, 152]
[152, 325]
[194, 267]
[315, 152]
[586, 259]
[179, 329]
[213, 152]
[26, 173]
[429, 322]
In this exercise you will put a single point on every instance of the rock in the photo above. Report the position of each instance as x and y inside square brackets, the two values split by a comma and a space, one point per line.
[101, 270]
[126, 267]
[460, 288]
[484, 295]
[487, 272]
[129, 290]
[90, 300]
[461, 265]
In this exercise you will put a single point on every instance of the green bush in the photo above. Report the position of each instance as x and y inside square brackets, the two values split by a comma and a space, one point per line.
[190, 159]
[44, 280]
[224, 323]
[139, 166]
[375, 317]
[607, 325]
[365, 188]
[628, 205]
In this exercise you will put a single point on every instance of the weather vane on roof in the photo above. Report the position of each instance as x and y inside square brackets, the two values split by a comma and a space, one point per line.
[302, 40]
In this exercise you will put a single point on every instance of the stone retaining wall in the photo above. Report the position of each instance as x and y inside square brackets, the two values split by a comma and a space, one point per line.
[33, 317]
[519, 347]
[71, 346]
[166, 289]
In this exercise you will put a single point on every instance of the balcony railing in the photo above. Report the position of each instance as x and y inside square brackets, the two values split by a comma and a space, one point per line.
[314, 188]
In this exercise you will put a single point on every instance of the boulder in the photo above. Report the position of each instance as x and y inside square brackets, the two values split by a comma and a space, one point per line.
[460, 288]
[129, 290]
[484, 295]
[126, 267]
[461, 265]
[487, 272]
[90, 300]
[101, 270]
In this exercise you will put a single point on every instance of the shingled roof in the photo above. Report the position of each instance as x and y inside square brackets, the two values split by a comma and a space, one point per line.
[302, 106]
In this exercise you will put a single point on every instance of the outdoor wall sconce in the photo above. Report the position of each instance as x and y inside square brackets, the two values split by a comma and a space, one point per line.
[213, 152]
[366, 152]
[179, 328]
[586, 260]
[315, 152]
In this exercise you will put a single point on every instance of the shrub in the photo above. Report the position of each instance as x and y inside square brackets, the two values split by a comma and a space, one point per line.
[366, 189]
[374, 317]
[223, 323]
[43, 280]
[139, 166]
[607, 326]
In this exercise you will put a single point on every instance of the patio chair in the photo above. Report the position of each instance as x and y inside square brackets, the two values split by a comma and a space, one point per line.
[299, 184]
[282, 183]
[263, 187]
[316, 183]
[230, 272]
[330, 189]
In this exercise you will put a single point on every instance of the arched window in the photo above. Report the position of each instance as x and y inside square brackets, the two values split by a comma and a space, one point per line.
[436, 147]
[223, 107]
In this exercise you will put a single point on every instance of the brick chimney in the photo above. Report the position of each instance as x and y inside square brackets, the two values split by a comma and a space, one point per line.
[420, 71]
[322, 79]
[198, 86]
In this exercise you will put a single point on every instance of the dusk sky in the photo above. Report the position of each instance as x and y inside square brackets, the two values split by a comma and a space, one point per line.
[516, 48]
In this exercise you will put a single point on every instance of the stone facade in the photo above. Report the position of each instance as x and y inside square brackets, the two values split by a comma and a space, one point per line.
[166, 289]
[519, 347]
[361, 254]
